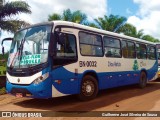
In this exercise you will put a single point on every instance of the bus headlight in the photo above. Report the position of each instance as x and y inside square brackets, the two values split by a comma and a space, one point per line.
[41, 78]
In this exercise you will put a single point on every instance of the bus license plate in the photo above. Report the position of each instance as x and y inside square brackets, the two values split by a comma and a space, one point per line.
[19, 95]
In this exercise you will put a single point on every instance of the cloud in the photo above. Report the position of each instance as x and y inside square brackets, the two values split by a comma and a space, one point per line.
[147, 6]
[147, 17]
[42, 8]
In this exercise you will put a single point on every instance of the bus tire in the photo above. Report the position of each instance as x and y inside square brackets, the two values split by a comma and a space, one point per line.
[143, 80]
[89, 88]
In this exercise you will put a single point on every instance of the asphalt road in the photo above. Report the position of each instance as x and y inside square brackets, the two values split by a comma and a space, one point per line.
[127, 98]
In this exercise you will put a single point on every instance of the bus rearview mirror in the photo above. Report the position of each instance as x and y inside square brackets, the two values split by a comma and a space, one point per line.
[5, 39]
[2, 50]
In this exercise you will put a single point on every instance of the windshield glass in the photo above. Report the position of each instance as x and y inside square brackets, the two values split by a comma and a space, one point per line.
[29, 47]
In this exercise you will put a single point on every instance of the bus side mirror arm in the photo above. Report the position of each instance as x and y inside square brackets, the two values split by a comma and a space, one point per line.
[5, 39]
[3, 50]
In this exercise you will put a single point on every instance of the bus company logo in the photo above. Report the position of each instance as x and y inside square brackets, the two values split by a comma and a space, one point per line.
[114, 64]
[135, 65]
[18, 80]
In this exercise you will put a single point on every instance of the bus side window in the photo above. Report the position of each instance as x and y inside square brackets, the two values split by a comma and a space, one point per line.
[66, 50]
[151, 53]
[141, 51]
[128, 49]
[124, 49]
[66, 47]
[112, 47]
[90, 44]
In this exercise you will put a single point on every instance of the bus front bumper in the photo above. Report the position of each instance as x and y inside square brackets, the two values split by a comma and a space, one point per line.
[41, 90]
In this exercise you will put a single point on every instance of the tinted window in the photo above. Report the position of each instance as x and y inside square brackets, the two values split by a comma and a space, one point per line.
[141, 51]
[151, 52]
[68, 47]
[112, 47]
[66, 52]
[90, 44]
[128, 49]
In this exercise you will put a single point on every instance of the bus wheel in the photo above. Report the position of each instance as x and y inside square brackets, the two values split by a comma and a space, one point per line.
[143, 80]
[89, 88]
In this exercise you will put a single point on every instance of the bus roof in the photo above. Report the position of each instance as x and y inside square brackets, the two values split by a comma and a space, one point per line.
[79, 26]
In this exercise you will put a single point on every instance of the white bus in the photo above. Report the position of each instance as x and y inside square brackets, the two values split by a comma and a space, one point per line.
[61, 58]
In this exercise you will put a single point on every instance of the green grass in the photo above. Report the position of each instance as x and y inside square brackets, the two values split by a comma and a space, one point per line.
[2, 91]
[3, 64]
[2, 71]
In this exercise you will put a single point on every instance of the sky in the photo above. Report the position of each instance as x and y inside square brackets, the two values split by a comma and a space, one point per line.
[144, 14]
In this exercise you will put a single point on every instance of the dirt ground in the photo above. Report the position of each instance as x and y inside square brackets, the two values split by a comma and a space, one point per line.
[128, 98]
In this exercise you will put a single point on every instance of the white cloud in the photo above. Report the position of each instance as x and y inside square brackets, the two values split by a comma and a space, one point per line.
[42, 8]
[147, 6]
[147, 17]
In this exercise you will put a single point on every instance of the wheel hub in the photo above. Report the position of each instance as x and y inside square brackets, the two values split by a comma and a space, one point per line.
[88, 88]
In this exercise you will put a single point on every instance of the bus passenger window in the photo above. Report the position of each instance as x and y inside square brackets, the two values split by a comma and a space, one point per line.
[90, 44]
[124, 49]
[151, 53]
[112, 47]
[128, 49]
[141, 51]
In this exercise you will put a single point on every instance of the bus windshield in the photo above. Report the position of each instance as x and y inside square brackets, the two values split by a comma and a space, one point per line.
[29, 47]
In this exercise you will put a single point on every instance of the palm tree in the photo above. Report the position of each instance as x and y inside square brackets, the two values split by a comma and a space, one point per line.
[7, 10]
[111, 23]
[130, 30]
[54, 16]
[91, 24]
[68, 15]
[150, 38]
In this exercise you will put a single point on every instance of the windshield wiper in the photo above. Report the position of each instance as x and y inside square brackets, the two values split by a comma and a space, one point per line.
[11, 65]
[19, 52]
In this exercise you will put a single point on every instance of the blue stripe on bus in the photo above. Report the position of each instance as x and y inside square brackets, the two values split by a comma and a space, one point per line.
[71, 84]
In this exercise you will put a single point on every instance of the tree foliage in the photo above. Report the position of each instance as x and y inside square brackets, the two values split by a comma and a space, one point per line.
[130, 30]
[68, 15]
[111, 22]
[150, 38]
[10, 9]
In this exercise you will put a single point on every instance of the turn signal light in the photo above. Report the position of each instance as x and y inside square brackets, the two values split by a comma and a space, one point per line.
[58, 81]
